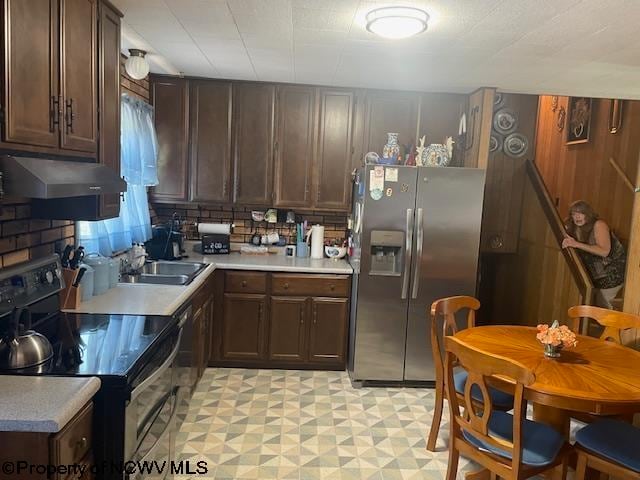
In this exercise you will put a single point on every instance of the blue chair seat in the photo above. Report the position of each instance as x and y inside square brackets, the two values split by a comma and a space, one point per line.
[540, 442]
[614, 440]
[500, 399]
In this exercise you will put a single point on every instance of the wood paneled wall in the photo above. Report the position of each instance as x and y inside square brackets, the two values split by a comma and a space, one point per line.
[583, 171]
[504, 183]
[534, 285]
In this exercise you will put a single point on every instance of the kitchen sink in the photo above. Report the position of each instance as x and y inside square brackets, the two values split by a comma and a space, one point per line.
[155, 279]
[160, 267]
[162, 272]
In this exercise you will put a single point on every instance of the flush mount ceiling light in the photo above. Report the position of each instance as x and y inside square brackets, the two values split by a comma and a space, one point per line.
[397, 22]
[136, 65]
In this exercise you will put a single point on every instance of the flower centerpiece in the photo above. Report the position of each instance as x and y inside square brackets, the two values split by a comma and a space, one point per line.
[555, 337]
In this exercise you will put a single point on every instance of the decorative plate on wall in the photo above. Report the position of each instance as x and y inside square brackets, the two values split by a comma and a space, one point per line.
[516, 145]
[505, 121]
[498, 100]
[495, 142]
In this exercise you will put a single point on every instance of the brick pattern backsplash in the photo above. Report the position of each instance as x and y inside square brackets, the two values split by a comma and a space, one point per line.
[335, 225]
[24, 238]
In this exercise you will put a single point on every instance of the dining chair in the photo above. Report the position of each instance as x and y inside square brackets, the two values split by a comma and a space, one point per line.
[443, 323]
[508, 445]
[613, 321]
[609, 446]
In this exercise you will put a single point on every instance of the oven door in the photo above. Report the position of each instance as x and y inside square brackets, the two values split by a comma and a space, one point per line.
[156, 450]
[150, 414]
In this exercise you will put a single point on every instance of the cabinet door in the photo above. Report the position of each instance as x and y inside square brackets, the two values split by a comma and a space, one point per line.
[210, 137]
[30, 86]
[296, 107]
[333, 167]
[287, 328]
[328, 330]
[390, 112]
[78, 22]
[243, 329]
[169, 97]
[253, 106]
[109, 102]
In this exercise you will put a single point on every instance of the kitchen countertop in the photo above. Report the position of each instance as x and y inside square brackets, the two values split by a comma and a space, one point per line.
[42, 404]
[143, 298]
[274, 263]
[148, 299]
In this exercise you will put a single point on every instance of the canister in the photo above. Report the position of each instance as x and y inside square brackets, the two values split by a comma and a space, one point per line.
[100, 266]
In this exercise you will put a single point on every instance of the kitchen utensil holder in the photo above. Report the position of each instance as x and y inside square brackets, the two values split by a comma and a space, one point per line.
[302, 249]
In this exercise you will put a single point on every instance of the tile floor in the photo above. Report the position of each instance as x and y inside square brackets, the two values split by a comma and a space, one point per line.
[289, 424]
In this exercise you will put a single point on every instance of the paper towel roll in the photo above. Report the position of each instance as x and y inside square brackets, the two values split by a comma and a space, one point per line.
[317, 241]
[223, 228]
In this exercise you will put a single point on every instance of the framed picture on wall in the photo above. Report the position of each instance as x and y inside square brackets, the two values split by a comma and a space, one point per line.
[578, 120]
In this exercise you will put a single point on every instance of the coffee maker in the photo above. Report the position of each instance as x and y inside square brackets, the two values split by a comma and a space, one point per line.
[167, 241]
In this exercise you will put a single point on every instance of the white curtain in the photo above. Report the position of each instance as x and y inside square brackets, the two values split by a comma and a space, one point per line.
[138, 163]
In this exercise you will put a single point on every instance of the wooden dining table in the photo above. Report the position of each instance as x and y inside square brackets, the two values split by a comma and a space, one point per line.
[595, 377]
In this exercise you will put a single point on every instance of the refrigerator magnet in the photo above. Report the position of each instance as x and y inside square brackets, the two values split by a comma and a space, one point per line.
[376, 193]
[391, 174]
[376, 179]
[388, 192]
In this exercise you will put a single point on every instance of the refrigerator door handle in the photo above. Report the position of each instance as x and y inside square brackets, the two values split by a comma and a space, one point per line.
[416, 270]
[408, 245]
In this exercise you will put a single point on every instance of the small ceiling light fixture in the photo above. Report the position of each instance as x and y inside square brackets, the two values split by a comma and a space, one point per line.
[397, 22]
[136, 65]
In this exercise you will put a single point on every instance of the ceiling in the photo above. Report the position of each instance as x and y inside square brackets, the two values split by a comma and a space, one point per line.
[573, 47]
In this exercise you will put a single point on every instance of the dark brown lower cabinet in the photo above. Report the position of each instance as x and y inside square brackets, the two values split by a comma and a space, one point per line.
[287, 328]
[304, 326]
[70, 446]
[328, 330]
[243, 326]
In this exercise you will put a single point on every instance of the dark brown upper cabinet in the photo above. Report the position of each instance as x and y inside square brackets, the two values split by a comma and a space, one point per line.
[78, 23]
[253, 112]
[30, 87]
[171, 103]
[49, 88]
[294, 150]
[385, 112]
[210, 141]
[333, 164]
[109, 101]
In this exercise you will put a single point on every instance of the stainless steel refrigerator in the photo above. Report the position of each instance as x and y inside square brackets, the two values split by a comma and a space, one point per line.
[416, 237]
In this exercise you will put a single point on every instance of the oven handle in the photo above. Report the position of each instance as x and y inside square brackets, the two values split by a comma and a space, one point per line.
[159, 372]
[163, 435]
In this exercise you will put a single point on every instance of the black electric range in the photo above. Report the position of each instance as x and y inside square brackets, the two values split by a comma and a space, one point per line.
[134, 356]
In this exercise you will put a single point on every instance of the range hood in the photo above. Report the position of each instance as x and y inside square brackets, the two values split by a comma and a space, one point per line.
[45, 179]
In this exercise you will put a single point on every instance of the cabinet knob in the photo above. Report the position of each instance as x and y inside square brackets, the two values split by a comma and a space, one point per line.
[496, 242]
[332, 287]
[244, 283]
[286, 286]
[83, 443]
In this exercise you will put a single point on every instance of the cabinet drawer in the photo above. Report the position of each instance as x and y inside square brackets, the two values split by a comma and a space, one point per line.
[311, 285]
[71, 444]
[245, 282]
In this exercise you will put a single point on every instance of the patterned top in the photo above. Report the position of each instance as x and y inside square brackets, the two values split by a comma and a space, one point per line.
[606, 272]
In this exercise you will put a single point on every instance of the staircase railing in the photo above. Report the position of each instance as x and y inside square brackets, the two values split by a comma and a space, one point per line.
[574, 262]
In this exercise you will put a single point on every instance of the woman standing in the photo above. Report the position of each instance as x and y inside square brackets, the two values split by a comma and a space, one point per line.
[600, 250]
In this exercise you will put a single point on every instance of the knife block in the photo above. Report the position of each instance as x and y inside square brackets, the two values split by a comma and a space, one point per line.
[68, 275]
[70, 295]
